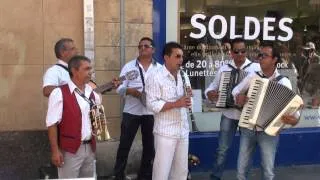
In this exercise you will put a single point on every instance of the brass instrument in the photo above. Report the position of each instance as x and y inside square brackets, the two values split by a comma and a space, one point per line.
[99, 123]
[193, 160]
[186, 87]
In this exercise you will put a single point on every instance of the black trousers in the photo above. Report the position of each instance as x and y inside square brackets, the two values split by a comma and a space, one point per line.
[129, 127]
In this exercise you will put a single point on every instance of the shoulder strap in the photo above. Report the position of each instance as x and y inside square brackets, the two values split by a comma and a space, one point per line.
[247, 65]
[231, 66]
[90, 101]
[141, 74]
[278, 78]
[262, 76]
[64, 67]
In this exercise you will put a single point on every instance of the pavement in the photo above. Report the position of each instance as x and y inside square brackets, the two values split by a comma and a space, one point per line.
[304, 172]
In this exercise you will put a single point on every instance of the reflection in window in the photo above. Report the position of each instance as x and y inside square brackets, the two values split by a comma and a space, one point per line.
[207, 52]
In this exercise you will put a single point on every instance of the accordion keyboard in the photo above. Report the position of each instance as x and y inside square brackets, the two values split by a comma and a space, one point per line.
[223, 89]
[250, 106]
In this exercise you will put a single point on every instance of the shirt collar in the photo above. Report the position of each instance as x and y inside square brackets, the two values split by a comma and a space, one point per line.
[246, 62]
[167, 73]
[62, 62]
[72, 87]
[274, 75]
[153, 62]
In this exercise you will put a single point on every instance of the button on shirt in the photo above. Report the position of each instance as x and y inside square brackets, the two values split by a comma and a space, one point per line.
[133, 105]
[162, 87]
[56, 75]
[245, 84]
[231, 113]
[55, 107]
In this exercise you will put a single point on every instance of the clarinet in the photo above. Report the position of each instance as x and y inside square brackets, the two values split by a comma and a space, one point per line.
[185, 87]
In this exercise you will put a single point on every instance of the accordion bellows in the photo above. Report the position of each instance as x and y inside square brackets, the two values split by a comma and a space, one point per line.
[267, 102]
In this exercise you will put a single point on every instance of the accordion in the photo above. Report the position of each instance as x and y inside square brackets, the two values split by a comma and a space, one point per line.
[228, 80]
[267, 102]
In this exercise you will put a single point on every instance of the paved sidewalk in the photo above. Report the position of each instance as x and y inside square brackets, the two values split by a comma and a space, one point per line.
[306, 172]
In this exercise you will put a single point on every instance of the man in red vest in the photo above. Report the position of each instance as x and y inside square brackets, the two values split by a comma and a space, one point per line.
[69, 126]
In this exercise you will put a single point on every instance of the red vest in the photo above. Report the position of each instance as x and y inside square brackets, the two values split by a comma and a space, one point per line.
[70, 126]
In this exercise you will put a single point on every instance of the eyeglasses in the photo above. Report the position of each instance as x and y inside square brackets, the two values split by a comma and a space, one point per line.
[263, 55]
[145, 46]
[178, 56]
[242, 51]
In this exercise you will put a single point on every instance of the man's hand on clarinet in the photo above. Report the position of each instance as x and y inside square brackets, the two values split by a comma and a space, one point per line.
[213, 95]
[57, 158]
[189, 91]
[184, 101]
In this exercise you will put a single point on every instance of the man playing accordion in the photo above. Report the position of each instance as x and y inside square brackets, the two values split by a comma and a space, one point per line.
[230, 116]
[252, 135]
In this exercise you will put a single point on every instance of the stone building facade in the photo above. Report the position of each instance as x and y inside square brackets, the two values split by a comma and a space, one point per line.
[28, 32]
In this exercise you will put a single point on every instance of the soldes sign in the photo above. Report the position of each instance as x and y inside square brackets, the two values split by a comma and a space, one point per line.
[250, 23]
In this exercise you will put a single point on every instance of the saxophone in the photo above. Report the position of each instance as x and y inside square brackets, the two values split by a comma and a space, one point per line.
[99, 123]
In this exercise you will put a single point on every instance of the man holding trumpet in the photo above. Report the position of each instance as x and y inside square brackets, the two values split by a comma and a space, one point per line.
[69, 124]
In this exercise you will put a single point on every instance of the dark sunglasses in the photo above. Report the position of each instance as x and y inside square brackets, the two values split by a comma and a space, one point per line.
[263, 55]
[239, 51]
[145, 46]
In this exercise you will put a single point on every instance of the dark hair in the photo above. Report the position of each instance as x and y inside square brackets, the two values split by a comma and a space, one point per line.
[147, 39]
[60, 45]
[275, 50]
[75, 63]
[237, 40]
[167, 50]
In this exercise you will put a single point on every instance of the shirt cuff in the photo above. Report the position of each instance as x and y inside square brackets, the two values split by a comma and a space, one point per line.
[123, 91]
[158, 106]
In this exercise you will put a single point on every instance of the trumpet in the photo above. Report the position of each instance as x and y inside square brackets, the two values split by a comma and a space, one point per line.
[99, 123]
[186, 87]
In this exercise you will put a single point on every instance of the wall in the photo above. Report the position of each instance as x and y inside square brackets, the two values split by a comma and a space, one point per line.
[28, 32]
[138, 23]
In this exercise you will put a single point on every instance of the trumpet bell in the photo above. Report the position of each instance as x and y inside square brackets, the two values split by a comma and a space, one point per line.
[99, 123]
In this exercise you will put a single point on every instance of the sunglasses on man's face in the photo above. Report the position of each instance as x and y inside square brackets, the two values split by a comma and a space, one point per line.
[263, 55]
[178, 56]
[242, 51]
[146, 46]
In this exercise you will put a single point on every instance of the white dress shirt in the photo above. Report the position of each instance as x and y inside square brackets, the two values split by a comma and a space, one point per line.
[231, 113]
[56, 75]
[55, 108]
[161, 88]
[245, 84]
[133, 105]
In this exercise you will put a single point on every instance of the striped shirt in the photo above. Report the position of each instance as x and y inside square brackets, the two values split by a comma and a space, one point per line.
[161, 88]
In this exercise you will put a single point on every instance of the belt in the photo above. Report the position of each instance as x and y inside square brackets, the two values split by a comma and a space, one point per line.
[86, 141]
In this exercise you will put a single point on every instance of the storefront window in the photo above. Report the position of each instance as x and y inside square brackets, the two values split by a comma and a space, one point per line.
[208, 26]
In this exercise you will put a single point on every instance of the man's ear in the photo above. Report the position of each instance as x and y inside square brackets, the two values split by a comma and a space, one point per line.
[276, 61]
[73, 70]
[165, 57]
